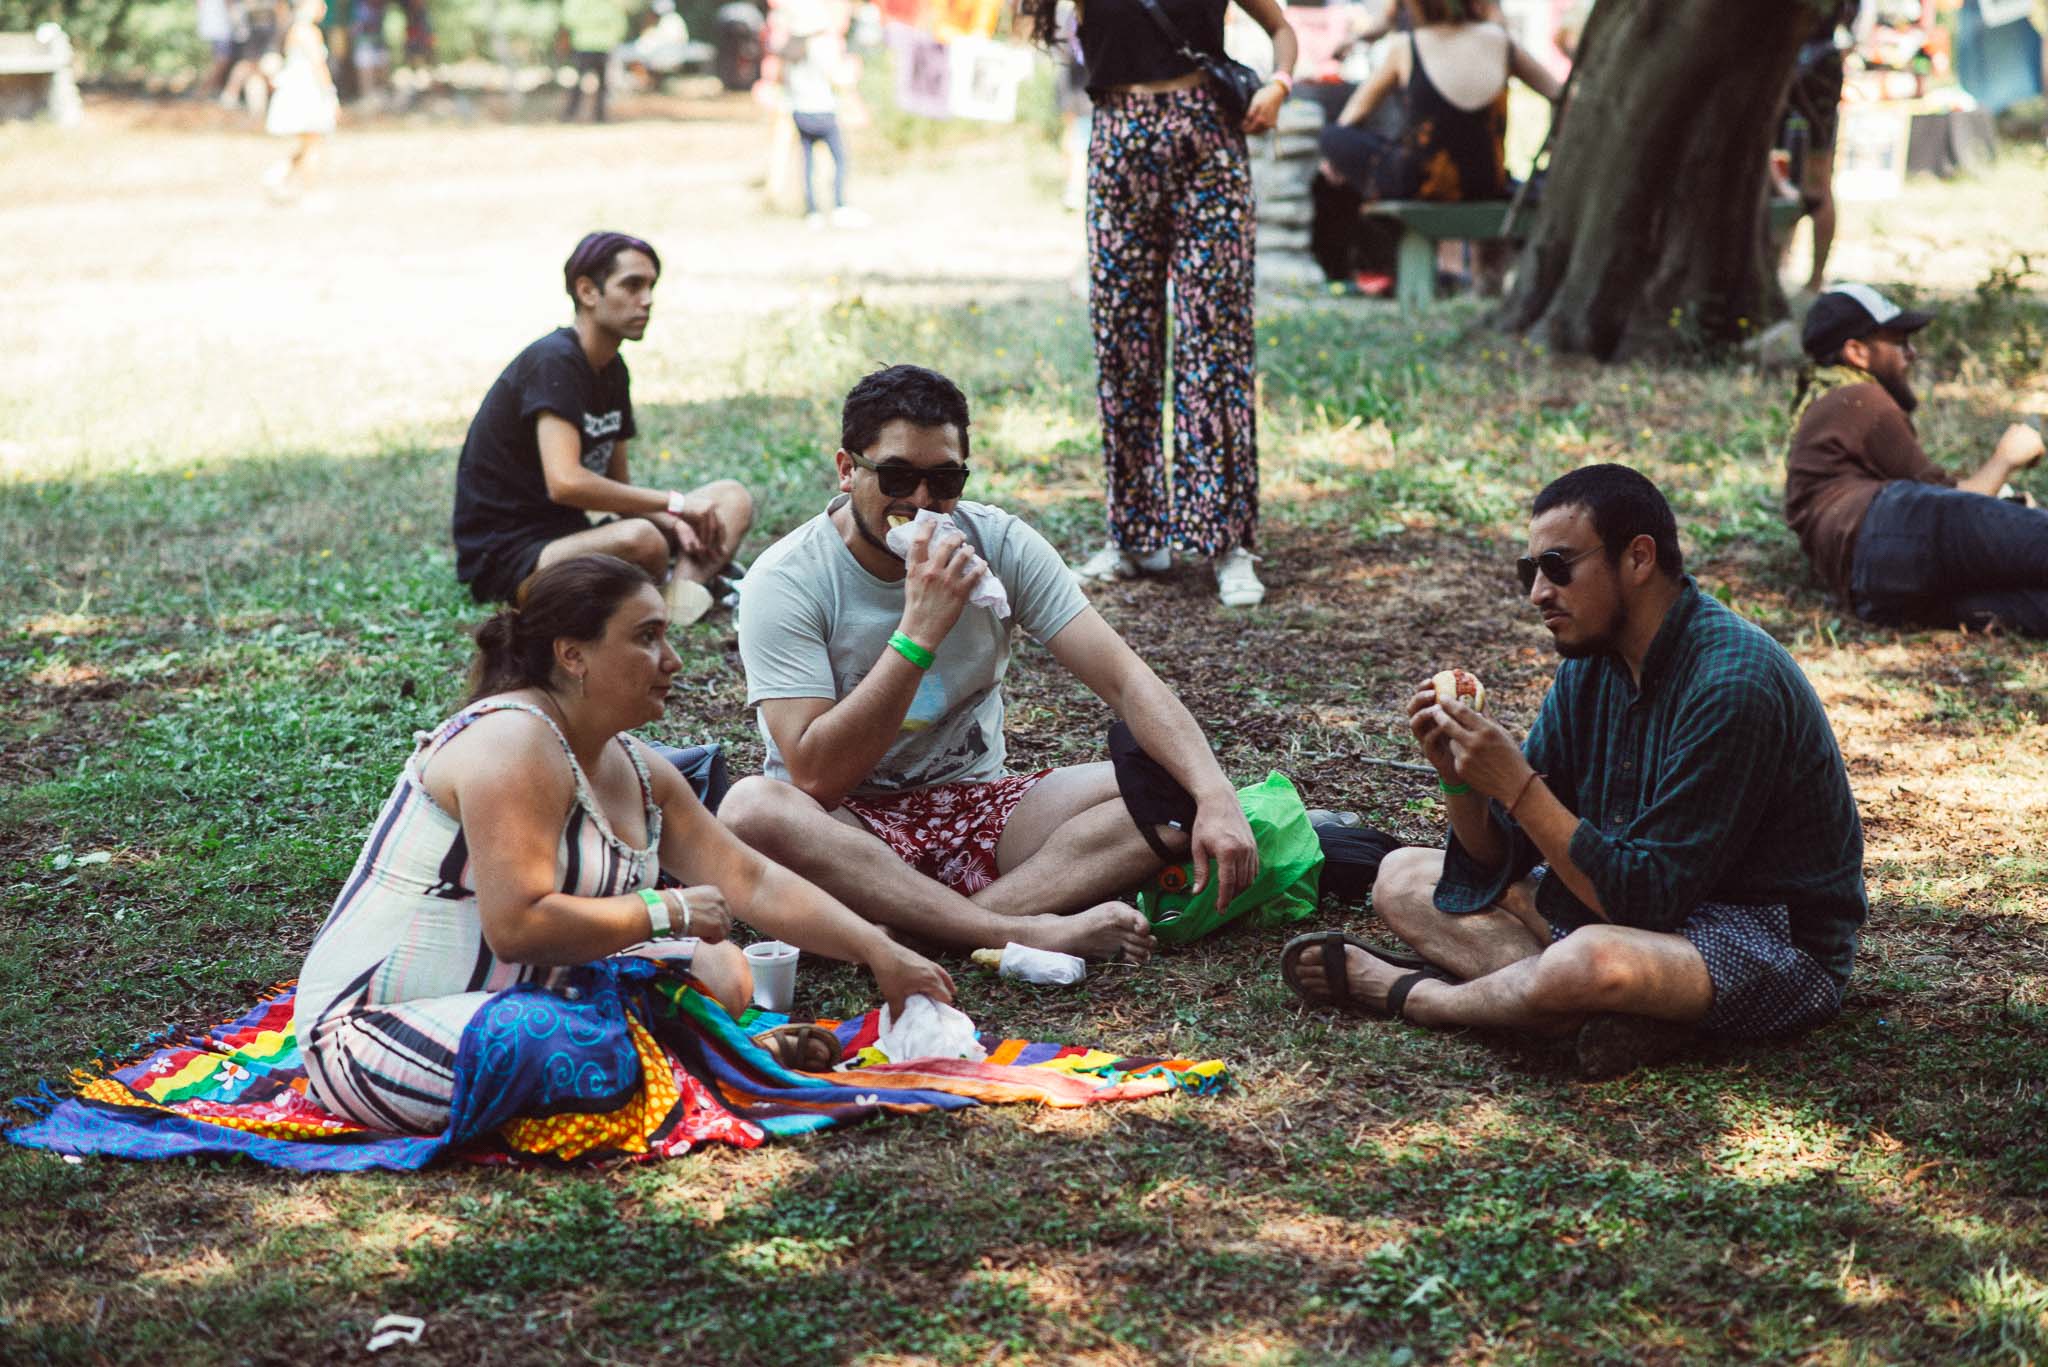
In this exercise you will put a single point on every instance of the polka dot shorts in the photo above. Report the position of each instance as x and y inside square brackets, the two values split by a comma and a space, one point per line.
[1764, 984]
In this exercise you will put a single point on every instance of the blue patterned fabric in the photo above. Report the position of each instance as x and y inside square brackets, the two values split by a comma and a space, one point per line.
[532, 1051]
[528, 1052]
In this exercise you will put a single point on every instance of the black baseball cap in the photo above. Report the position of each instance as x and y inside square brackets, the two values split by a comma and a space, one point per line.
[1848, 312]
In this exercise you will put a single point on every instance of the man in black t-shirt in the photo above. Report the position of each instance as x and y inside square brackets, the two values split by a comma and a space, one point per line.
[543, 474]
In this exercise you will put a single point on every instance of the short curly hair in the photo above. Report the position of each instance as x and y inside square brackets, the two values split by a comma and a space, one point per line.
[912, 393]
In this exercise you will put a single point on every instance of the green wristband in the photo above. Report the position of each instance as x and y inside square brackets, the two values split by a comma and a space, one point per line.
[911, 651]
[1455, 790]
[658, 925]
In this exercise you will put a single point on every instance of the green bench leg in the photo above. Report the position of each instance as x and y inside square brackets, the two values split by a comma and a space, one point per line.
[1415, 278]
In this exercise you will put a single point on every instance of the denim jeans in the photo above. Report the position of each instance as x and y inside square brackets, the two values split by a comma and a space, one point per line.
[814, 129]
[1931, 554]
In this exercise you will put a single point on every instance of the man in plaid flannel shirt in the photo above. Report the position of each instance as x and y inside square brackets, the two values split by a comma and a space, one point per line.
[1675, 850]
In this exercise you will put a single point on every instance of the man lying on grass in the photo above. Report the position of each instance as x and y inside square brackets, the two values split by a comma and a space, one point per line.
[1899, 538]
[879, 688]
[1675, 846]
[543, 476]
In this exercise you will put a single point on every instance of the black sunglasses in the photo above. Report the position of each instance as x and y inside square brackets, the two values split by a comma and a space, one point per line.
[1555, 565]
[900, 479]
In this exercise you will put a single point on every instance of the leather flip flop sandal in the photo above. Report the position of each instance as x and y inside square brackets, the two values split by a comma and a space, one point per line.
[1332, 944]
[802, 1048]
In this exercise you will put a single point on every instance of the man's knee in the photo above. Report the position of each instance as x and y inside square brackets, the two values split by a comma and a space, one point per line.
[1588, 970]
[642, 543]
[735, 504]
[763, 812]
[1405, 886]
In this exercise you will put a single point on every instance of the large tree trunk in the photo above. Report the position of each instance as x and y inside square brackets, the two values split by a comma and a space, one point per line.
[1650, 235]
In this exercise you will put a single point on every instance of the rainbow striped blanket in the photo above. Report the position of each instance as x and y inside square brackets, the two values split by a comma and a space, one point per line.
[639, 1065]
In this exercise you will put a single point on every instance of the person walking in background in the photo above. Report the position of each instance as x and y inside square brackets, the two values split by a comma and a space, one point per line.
[1807, 127]
[252, 25]
[303, 105]
[369, 52]
[811, 62]
[1170, 202]
[595, 28]
[217, 31]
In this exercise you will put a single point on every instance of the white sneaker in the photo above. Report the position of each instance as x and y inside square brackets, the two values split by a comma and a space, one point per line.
[846, 216]
[1113, 562]
[815, 221]
[1237, 583]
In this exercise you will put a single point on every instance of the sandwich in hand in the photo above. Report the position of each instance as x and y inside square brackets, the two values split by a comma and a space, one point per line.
[1461, 684]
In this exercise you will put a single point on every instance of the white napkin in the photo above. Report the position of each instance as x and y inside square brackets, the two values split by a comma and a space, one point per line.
[988, 590]
[929, 1029]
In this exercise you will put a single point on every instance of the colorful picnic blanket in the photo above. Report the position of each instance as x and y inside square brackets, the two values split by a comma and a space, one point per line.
[633, 1061]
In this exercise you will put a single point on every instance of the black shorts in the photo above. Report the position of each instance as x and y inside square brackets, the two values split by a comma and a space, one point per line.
[1815, 96]
[505, 566]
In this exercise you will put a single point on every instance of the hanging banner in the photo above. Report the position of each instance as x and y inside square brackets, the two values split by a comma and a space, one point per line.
[1870, 152]
[986, 76]
[924, 72]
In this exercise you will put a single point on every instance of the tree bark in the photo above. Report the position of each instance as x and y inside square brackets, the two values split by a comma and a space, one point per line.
[1650, 236]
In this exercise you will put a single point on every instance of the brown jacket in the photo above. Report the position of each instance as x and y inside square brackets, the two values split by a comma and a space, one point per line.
[1850, 443]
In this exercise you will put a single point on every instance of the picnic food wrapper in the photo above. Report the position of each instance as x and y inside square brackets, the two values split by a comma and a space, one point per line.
[988, 590]
[1043, 966]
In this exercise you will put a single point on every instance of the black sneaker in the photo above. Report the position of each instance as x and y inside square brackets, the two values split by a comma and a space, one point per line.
[1613, 1045]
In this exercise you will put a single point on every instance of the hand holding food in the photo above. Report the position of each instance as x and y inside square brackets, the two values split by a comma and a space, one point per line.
[1461, 684]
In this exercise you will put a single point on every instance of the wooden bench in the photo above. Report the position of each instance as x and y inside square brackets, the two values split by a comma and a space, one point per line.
[1425, 223]
[35, 75]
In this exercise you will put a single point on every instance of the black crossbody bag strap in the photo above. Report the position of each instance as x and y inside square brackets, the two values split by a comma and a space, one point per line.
[1187, 50]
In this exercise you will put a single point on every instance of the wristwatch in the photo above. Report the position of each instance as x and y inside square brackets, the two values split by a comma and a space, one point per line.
[675, 502]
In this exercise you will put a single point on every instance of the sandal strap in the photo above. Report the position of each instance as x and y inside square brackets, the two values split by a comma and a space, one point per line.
[1397, 995]
[1336, 971]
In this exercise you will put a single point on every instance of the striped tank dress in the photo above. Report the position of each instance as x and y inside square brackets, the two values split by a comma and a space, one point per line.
[401, 964]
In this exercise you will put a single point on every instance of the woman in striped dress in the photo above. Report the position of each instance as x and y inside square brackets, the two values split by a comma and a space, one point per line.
[526, 834]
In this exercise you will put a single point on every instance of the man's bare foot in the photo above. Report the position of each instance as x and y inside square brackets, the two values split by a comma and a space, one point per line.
[1112, 931]
[1369, 977]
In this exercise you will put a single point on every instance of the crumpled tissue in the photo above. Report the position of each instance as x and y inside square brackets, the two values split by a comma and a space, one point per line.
[988, 590]
[928, 1029]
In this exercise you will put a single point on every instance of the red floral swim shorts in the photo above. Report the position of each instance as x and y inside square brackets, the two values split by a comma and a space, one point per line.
[948, 832]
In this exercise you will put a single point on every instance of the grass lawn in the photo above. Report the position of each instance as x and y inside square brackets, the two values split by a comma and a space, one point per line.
[226, 601]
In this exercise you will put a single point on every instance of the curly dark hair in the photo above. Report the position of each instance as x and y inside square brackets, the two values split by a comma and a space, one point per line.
[919, 396]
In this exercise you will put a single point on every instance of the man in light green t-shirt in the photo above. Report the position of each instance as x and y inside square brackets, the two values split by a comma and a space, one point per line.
[879, 691]
[596, 28]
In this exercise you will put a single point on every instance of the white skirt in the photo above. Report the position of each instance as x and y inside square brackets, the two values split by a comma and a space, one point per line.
[302, 103]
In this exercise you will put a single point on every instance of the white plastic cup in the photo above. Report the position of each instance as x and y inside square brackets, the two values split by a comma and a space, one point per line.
[774, 966]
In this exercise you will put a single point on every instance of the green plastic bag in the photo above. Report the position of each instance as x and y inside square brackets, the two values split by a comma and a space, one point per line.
[1290, 858]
